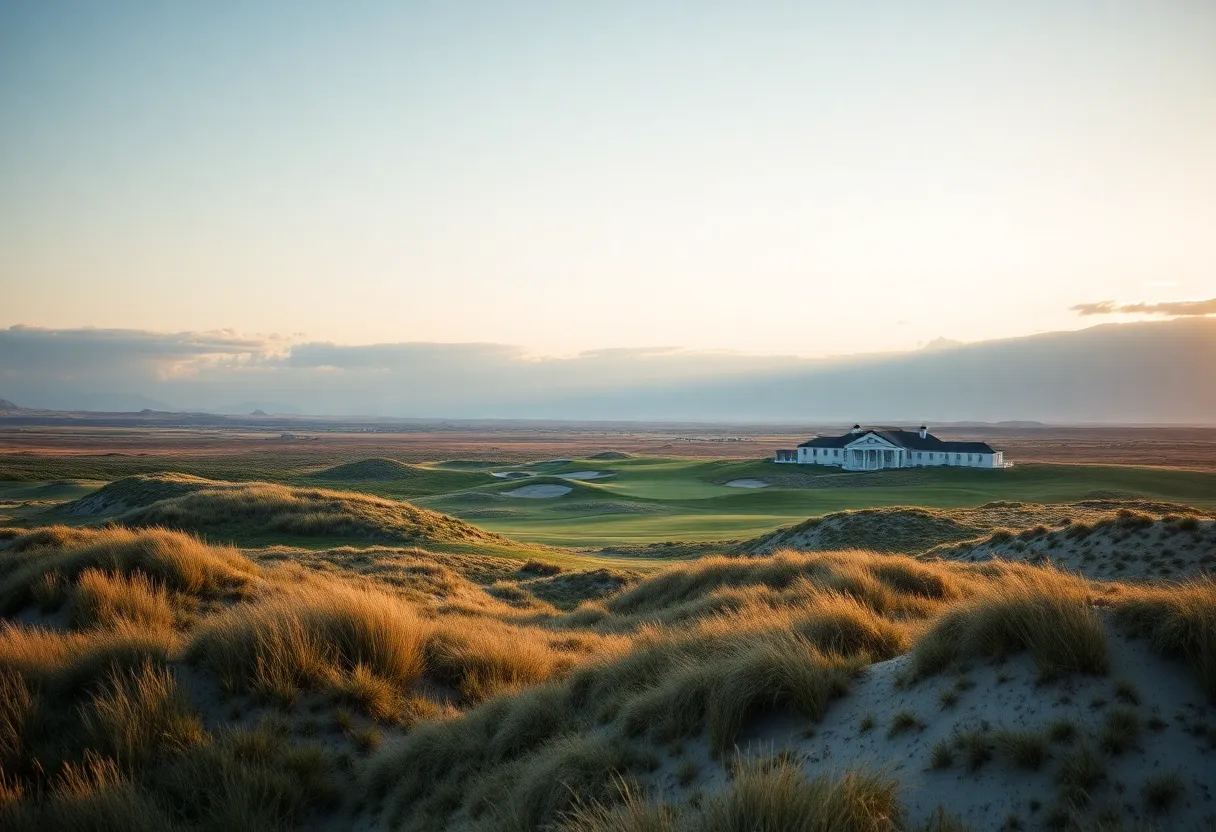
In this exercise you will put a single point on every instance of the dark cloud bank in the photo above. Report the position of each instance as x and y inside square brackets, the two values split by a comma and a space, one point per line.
[1161, 372]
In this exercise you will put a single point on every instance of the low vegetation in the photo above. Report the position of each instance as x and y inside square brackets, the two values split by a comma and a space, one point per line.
[266, 511]
[150, 679]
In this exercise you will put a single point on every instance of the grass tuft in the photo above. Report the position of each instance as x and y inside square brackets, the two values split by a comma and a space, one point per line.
[1046, 612]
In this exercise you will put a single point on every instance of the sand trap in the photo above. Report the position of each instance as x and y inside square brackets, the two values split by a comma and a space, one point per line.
[540, 491]
[747, 483]
[586, 475]
[511, 475]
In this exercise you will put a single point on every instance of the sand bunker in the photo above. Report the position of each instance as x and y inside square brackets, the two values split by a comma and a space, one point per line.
[586, 475]
[511, 475]
[540, 491]
[747, 483]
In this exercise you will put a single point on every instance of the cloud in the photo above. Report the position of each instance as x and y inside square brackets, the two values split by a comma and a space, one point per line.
[1145, 371]
[1180, 308]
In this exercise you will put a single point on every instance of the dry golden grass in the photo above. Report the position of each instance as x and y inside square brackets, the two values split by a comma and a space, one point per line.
[170, 560]
[768, 795]
[96, 732]
[514, 715]
[313, 638]
[1179, 621]
[1048, 613]
[101, 599]
[135, 714]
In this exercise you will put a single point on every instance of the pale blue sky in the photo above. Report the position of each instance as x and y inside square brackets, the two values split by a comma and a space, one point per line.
[802, 178]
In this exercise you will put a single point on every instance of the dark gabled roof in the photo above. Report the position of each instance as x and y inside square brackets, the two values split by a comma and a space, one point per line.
[909, 439]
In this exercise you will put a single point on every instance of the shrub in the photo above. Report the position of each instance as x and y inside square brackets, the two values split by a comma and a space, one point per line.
[781, 670]
[942, 756]
[244, 780]
[486, 659]
[1120, 731]
[977, 746]
[1062, 730]
[904, 721]
[768, 796]
[632, 814]
[1126, 692]
[139, 713]
[1025, 748]
[1081, 770]
[313, 639]
[101, 599]
[1161, 791]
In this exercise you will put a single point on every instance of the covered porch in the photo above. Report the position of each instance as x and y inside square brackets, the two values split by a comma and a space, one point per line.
[874, 459]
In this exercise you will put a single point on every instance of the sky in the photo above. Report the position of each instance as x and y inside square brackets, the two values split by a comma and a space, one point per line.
[797, 179]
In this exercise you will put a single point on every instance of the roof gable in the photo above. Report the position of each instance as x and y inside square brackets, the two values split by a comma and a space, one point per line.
[872, 439]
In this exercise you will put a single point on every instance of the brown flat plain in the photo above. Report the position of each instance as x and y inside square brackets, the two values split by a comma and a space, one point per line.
[1175, 447]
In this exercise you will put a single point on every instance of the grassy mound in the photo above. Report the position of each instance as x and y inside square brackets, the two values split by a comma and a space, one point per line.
[877, 530]
[147, 576]
[187, 687]
[134, 492]
[256, 511]
[367, 470]
[1116, 544]
[611, 455]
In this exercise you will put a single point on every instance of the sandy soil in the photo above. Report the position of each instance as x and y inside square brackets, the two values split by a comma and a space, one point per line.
[540, 491]
[992, 699]
[1112, 551]
[746, 483]
[586, 475]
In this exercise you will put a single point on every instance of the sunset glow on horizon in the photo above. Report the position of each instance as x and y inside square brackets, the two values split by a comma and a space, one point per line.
[771, 178]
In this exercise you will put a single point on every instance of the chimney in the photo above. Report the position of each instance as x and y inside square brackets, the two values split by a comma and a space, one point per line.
[856, 429]
[924, 431]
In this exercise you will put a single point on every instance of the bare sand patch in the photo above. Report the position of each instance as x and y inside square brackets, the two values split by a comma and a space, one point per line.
[982, 704]
[747, 483]
[586, 475]
[541, 491]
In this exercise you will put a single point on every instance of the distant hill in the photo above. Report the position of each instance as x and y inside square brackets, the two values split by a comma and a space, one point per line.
[8, 407]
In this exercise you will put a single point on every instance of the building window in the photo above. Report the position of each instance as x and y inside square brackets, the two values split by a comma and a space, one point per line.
[836, 452]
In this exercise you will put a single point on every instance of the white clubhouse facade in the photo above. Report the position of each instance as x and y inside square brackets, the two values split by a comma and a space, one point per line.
[875, 449]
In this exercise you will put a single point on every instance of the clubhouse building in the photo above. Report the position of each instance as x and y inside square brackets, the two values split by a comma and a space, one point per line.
[874, 449]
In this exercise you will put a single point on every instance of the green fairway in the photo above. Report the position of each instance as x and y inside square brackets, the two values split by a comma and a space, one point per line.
[654, 500]
[639, 501]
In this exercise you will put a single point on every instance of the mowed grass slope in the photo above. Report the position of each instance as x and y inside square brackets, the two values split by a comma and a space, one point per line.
[654, 500]
[657, 500]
